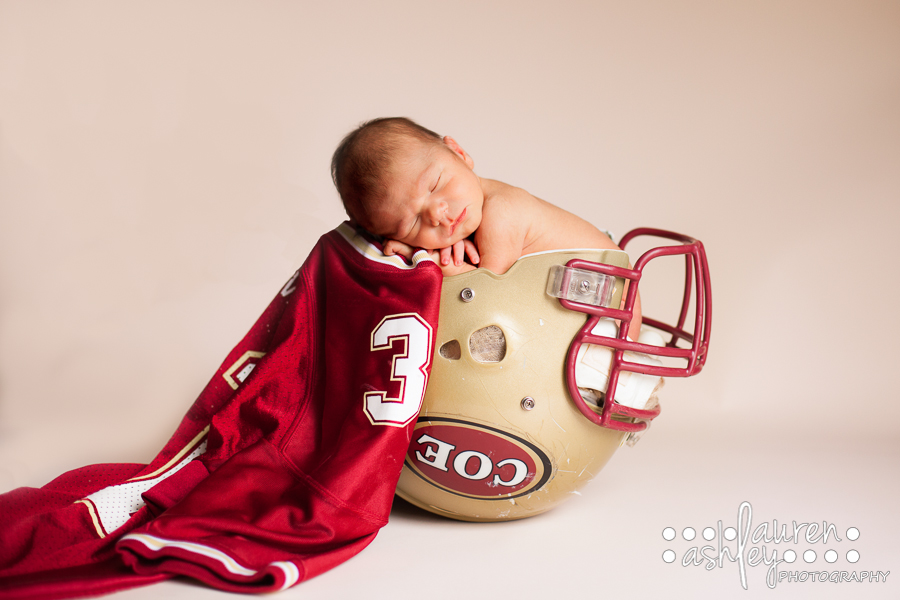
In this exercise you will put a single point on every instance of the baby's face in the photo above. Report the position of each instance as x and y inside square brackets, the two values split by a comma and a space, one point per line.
[434, 198]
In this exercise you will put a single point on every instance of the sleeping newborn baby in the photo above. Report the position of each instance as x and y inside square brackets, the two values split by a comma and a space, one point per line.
[406, 183]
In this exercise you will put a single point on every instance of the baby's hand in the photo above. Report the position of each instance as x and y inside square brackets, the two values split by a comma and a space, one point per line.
[457, 253]
[392, 247]
[443, 258]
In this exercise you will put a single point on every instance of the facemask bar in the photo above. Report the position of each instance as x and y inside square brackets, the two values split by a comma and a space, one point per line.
[696, 273]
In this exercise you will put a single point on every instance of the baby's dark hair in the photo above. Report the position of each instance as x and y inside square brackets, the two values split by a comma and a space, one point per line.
[362, 159]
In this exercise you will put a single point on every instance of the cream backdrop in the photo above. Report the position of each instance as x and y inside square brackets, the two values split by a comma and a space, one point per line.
[164, 169]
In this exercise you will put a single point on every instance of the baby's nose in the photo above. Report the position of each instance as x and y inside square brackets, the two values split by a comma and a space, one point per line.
[439, 213]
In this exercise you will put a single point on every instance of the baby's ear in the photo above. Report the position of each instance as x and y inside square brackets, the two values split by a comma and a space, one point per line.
[457, 149]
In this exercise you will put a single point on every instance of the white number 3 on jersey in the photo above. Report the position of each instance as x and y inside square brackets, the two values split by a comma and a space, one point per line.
[409, 368]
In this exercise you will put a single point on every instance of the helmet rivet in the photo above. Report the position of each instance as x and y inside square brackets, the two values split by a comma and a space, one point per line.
[467, 295]
[585, 286]
[527, 403]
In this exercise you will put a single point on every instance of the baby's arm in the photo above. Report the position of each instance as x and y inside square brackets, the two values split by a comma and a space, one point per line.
[501, 243]
[505, 223]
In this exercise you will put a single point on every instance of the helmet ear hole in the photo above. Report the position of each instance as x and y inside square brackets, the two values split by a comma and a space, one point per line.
[451, 350]
[488, 344]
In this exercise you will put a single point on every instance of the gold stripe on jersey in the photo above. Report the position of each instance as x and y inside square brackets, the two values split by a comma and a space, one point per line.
[175, 459]
[92, 510]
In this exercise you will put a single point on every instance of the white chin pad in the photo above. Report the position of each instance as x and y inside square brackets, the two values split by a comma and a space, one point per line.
[593, 363]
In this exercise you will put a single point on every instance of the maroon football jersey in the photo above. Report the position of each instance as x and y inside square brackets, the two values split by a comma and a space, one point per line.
[285, 465]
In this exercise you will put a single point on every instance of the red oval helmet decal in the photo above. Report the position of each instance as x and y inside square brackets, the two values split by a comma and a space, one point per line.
[474, 460]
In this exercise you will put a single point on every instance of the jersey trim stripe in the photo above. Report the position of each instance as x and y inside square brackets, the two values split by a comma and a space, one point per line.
[175, 459]
[368, 250]
[290, 571]
[156, 544]
[92, 510]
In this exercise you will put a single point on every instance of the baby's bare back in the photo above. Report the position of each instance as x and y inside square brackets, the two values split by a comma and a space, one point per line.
[515, 223]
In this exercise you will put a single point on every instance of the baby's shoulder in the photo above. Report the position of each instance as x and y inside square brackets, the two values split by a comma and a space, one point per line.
[504, 200]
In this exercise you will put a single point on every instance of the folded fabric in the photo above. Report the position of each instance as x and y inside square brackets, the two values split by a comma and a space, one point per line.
[283, 467]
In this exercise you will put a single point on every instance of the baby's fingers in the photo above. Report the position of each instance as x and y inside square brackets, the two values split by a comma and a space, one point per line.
[446, 255]
[472, 251]
[459, 253]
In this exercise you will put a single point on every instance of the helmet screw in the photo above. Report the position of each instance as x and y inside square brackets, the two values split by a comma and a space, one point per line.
[467, 295]
[585, 286]
[527, 403]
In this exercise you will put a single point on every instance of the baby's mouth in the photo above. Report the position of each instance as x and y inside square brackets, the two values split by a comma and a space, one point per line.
[458, 221]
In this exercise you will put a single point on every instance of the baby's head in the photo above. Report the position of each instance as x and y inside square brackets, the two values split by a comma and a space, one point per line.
[368, 159]
[403, 181]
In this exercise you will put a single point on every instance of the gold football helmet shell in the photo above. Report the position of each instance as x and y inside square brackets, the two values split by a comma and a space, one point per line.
[499, 435]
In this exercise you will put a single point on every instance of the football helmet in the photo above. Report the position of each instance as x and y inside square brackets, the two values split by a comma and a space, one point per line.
[517, 414]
